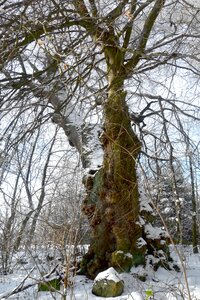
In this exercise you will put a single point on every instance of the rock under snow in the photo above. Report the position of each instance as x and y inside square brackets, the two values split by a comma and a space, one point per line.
[108, 284]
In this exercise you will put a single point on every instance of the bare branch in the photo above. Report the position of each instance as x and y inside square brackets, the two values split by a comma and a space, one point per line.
[148, 25]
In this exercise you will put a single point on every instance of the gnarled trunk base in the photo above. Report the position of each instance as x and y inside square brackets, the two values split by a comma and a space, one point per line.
[112, 203]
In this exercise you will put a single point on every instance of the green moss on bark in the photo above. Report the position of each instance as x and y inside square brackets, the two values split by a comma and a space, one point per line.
[112, 194]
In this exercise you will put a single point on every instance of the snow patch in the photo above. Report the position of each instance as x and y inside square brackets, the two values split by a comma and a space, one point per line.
[145, 202]
[109, 274]
[162, 242]
[145, 206]
[141, 221]
[135, 296]
[141, 242]
[129, 255]
[154, 232]
[145, 198]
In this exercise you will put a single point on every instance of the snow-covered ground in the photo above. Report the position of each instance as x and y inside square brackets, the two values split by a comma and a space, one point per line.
[162, 284]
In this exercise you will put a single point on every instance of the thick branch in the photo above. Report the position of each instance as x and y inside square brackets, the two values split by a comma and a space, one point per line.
[133, 13]
[81, 8]
[129, 26]
[93, 8]
[117, 11]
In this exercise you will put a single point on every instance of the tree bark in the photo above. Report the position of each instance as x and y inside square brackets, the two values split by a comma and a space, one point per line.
[112, 202]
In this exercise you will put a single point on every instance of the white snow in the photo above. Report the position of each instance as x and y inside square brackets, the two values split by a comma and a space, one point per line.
[93, 149]
[165, 284]
[109, 274]
[162, 242]
[129, 255]
[141, 242]
[154, 232]
[145, 202]
[167, 210]
[141, 221]
[135, 296]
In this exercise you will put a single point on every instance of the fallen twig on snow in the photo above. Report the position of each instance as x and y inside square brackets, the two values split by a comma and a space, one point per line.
[22, 286]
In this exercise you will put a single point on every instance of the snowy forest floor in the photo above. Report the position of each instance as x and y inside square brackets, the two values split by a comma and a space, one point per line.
[164, 284]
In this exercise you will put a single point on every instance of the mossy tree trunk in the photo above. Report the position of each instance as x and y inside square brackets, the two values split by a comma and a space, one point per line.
[112, 203]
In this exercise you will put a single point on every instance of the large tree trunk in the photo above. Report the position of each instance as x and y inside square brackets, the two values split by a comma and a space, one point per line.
[112, 202]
